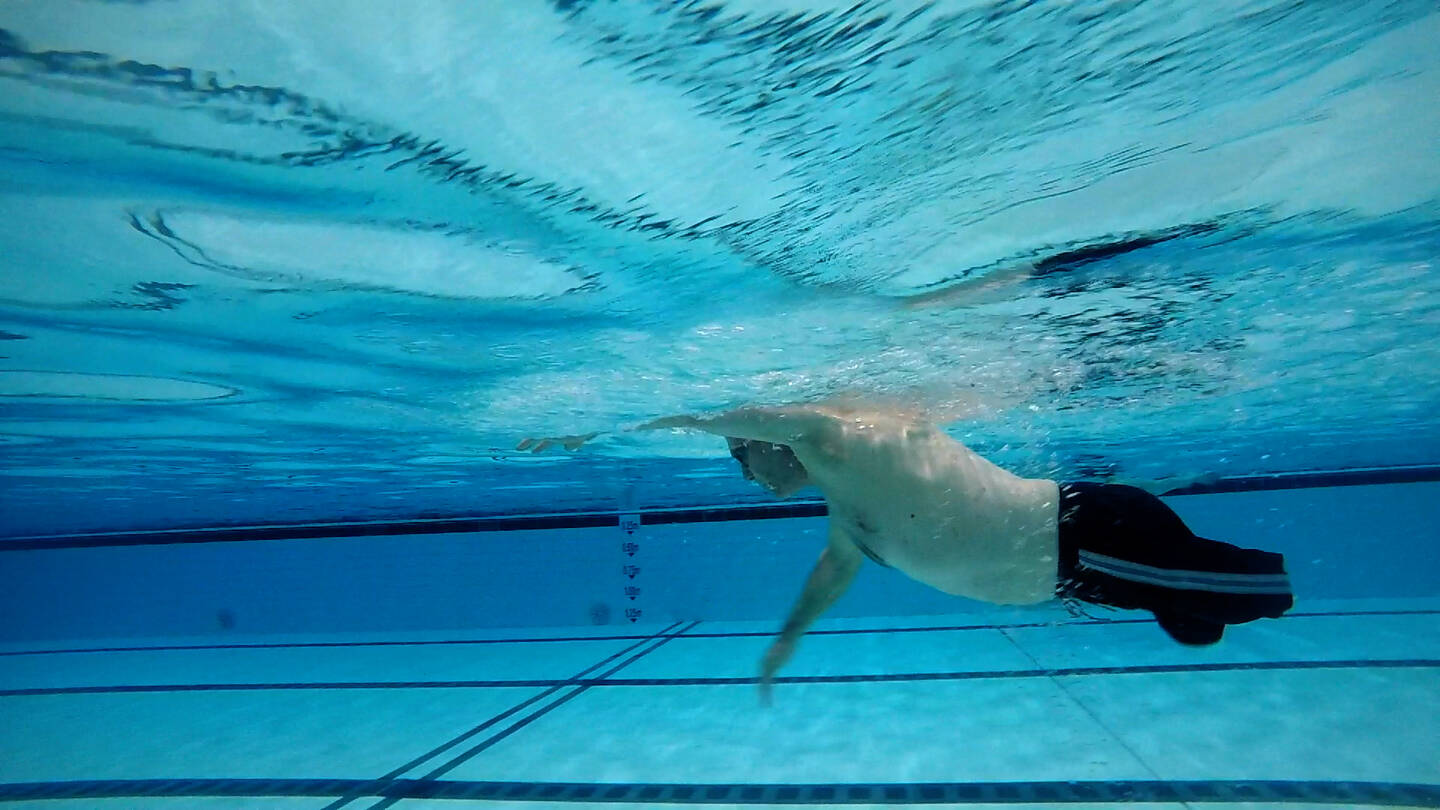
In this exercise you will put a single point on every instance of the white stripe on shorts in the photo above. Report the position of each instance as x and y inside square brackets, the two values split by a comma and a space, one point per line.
[1185, 580]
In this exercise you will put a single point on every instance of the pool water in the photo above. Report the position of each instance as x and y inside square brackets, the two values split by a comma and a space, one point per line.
[283, 285]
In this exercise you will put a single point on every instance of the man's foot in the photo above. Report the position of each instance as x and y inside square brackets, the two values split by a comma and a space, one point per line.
[1190, 630]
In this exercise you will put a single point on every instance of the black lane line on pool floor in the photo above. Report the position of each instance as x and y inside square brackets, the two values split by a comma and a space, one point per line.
[508, 713]
[471, 752]
[1418, 473]
[1089, 793]
[1059, 623]
[605, 680]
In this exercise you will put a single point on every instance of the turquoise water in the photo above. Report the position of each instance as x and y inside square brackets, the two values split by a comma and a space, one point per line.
[277, 262]
[284, 284]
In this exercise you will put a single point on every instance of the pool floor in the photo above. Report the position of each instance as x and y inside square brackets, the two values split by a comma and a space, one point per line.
[1333, 706]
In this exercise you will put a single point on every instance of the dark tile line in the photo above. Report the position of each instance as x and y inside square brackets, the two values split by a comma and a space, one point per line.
[650, 517]
[496, 719]
[743, 634]
[719, 514]
[1413, 474]
[322, 644]
[1051, 624]
[318, 531]
[125, 689]
[1053, 672]
[492, 740]
[606, 681]
[1323, 613]
[1087, 793]
[1142, 669]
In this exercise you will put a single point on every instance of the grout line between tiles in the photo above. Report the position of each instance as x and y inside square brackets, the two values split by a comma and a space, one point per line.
[498, 718]
[1065, 690]
[962, 675]
[456, 761]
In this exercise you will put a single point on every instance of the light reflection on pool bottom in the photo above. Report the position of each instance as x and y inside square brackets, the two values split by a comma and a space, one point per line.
[1339, 695]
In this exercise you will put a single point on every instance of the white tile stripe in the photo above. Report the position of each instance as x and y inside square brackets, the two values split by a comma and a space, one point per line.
[1186, 580]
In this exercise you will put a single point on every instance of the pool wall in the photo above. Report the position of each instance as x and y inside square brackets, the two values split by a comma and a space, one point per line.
[1350, 542]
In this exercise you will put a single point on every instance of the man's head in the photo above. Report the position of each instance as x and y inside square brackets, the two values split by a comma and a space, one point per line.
[772, 466]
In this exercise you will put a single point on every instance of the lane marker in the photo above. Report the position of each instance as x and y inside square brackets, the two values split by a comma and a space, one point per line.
[1411, 474]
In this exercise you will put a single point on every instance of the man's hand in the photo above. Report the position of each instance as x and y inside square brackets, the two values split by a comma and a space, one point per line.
[775, 658]
[569, 442]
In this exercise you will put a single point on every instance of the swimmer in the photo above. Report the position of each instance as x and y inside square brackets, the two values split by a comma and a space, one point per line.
[905, 495]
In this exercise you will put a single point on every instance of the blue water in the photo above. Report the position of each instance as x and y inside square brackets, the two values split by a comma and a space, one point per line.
[320, 262]
[280, 262]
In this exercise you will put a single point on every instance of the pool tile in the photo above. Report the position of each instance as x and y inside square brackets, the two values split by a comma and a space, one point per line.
[353, 734]
[500, 661]
[1299, 638]
[917, 731]
[848, 654]
[1365, 724]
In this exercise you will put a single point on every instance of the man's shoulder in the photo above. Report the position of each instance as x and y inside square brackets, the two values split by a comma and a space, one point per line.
[831, 428]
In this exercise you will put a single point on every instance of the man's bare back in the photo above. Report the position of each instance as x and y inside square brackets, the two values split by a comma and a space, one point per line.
[904, 492]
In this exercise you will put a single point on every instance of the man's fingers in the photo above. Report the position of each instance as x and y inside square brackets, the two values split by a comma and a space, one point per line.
[574, 442]
[525, 443]
[766, 688]
[769, 665]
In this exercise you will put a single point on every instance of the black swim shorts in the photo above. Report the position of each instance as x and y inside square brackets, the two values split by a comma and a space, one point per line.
[1123, 547]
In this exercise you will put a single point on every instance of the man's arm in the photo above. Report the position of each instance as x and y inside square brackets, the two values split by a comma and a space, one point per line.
[828, 581]
[780, 425]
